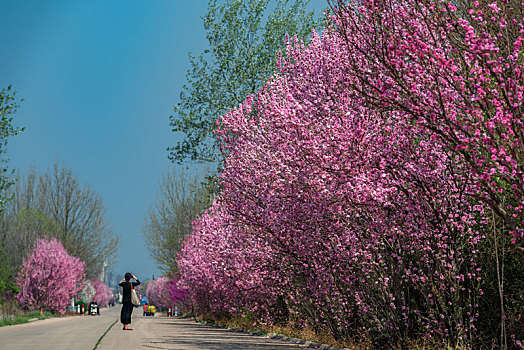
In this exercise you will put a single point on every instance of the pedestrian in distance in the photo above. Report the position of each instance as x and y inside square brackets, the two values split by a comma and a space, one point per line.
[93, 308]
[127, 306]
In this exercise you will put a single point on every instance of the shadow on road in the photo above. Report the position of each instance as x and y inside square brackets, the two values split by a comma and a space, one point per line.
[216, 343]
[187, 334]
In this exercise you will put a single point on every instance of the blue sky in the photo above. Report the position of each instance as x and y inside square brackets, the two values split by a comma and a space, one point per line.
[100, 79]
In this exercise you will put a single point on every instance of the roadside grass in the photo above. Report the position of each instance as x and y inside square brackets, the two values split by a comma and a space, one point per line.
[9, 320]
[319, 338]
[250, 326]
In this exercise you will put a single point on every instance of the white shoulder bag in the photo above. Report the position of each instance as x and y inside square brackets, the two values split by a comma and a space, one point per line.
[134, 297]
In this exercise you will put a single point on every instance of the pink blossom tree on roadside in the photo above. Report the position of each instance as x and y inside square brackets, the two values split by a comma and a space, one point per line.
[456, 69]
[49, 277]
[357, 181]
[179, 295]
[221, 267]
[157, 293]
[355, 203]
[102, 292]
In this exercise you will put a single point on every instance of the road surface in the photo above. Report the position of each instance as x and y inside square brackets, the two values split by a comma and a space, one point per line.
[83, 333]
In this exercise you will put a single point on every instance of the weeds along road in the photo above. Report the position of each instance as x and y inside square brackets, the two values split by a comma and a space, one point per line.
[84, 333]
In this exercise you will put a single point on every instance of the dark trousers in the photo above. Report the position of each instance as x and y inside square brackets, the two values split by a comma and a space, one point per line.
[125, 314]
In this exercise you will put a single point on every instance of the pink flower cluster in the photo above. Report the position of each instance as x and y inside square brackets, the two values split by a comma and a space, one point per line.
[457, 73]
[230, 261]
[178, 295]
[102, 292]
[49, 277]
[158, 294]
[355, 182]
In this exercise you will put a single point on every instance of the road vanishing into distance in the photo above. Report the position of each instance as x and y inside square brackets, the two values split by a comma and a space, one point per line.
[105, 332]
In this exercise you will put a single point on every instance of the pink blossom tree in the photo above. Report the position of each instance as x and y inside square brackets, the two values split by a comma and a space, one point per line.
[353, 203]
[356, 183]
[220, 267]
[49, 277]
[349, 209]
[179, 295]
[102, 292]
[157, 293]
[456, 70]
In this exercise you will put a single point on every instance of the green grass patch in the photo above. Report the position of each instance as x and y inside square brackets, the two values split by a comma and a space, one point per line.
[9, 320]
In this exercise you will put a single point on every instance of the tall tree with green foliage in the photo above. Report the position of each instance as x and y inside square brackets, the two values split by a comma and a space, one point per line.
[7, 276]
[245, 37]
[8, 106]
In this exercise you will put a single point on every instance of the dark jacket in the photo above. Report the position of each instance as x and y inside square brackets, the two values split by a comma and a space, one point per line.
[126, 293]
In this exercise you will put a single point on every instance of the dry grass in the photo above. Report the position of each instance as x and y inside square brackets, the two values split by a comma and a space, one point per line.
[294, 332]
[322, 337]
[319, 337]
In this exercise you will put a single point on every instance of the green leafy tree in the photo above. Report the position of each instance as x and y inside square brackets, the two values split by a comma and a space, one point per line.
[7, 275]
[8, 106]
[245, 37]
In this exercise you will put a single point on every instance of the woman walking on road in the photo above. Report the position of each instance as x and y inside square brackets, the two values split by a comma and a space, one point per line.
[127, 306]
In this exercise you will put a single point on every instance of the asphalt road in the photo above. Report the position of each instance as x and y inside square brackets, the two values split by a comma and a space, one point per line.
[81, 333]
[73, 332]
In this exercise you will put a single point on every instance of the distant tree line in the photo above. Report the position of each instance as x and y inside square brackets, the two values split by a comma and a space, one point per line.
[51, 205]
[54, 204]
